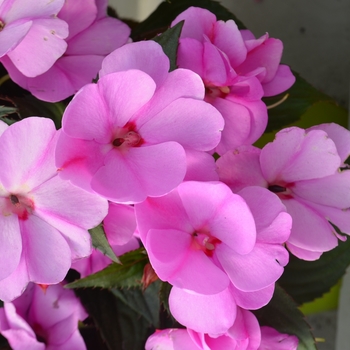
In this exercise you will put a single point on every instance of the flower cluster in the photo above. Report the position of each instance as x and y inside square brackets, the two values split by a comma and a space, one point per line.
[135, 152]
[54, 49]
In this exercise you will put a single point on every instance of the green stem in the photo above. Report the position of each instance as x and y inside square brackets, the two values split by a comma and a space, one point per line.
[4, 79]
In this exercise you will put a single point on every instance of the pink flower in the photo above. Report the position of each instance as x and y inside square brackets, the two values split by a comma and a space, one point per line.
[303, 168]
[83, 57]
[202, 239]
[243, 335]
[237, 70]
[171, 339]
[252, 275]
[135, 132]
[273, 340]
[149, 57]
[31, 35]
[44, 220]
[40, 320]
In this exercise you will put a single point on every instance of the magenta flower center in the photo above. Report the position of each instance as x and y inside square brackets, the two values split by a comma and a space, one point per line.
[20, 205]
[204, 242]
[40, 333]
[130, 139]
[127, 137]
[283, 191]
[2, 25]
[212, 92]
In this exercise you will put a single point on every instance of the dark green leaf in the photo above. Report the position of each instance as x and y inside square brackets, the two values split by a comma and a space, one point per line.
[99, 241]
[166, 12]
[169, 41]
[5, 111]
[307, 280]
[164, 295]
[28, 106]
[126, 275]
[301, 96]
[145, 303]
[282, 313]
[120, 327]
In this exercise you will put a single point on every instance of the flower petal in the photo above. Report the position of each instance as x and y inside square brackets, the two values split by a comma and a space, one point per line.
[214, 313]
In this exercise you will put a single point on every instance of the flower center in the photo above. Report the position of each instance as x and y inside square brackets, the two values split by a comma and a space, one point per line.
[126, 137]
[212, 92]
[19, 205]
[130, 139]
[2, 25]
[204, 242]
[283, 192]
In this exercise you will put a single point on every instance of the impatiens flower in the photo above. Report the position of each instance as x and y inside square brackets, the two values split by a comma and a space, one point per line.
[44, 220]
[149, 57]
[202, 239]
[243, 335]
[125, 139]
[83, 57]
[252, 275]
[273, 340]
[237, 70]
[31, 35]
[43, 319]
[303, 167]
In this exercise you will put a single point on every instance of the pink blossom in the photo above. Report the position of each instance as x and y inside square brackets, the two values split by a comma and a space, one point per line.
[31, 35]
[237, 70]
[83, 57]
[40, 320]
[203, 226]
[303, 168]
[44, 219]
[252, 275]
[135, 132]
[171, 339]
[243, 335]
[149, 57]
[273, 340]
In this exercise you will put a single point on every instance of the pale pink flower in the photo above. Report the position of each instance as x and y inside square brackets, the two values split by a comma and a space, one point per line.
[273, 340]
[303, 167]
[92, 36]
[252, 275]
[202, 239]
[171, 339]
[136, 134]
[44, 220]
[237, 70]
[31, 35]
[149, 57]
[43, 319]
[243, 335]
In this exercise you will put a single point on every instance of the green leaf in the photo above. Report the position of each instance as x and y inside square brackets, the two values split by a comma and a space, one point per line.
[282, 313]
[166, 12]
[301, 96]
[145, 303]
[119, 326]
[28, 106]
[5, 111]
[99, 241]
[169, 41]
[164, 295]
[126, 275]
[307, 280]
